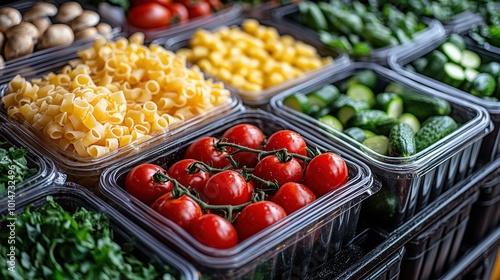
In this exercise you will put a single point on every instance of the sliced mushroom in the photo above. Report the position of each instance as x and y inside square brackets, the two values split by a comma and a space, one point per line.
[41, 24]
[104, 29]
[87, 32]
[56, 35]
[23, 28]
[87, 19]
[39, 10]
[8, 18]
[68, 12]
[18, 46]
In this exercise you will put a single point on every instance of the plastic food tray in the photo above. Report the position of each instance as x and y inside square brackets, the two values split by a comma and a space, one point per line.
[408, 184]
[85, 171]
[485, 213]
[491, 144]
[289, 15]
[46, 171]
[431, 252]
[22, 64]
[72, 197]
[283, 250]
[261, 98]
[230, 12]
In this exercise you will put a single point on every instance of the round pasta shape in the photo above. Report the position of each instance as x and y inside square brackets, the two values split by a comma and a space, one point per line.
[97, 151]
[53, 130]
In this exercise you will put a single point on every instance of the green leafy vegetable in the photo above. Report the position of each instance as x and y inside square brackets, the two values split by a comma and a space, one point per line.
[14, 159]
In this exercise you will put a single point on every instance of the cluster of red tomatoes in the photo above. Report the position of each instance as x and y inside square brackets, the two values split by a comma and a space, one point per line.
[278, 167]
[149, 14]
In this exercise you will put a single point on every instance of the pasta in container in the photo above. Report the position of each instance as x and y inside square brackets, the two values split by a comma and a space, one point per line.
[116, 97]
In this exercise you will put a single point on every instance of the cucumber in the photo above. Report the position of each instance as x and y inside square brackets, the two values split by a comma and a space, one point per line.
[340, 102]
[470, 59]
[324, 96]
[434, 129]
[391, 103]
[368, 119]
[369, 133]
[492, 68]
[451, 51]
[423, 106]
[470, 74]
[395, 88]
[410, 120]
[383, 127]
[332, 122]
[454, 74]
[420, 63]
[402, 141]
[312, 16]
[483, 85]
[379, 144]
[359, 92]
[356, 133]
[298, 102]
[350, 108]
[319, 113]
[457, 40]
[436, 62]
[364, 77]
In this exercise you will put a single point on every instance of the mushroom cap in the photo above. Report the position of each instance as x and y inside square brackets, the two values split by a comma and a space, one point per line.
[40, 9]
[18, 46]
[87, 19]
[9, 17]
[41, 23]
[23, 28]
[87, 32]
[104, 28]
[56, 35]
[68, 12]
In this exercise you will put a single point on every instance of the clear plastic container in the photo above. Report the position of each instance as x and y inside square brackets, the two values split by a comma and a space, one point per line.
[284, 250]
[46, 172]
[408, 183]
[462, 22]
[230, 12]
[289, 15]
[72, 197]
[86, 170]
[261, 98]
[491, 144]
[14, 66]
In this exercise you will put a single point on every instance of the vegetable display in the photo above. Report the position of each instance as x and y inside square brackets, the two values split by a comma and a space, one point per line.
[14, 167]
[452, 63]
[56, 244]
[359, 28]
[386, 118]
[251, 58]
[489, 32]
[224, 202]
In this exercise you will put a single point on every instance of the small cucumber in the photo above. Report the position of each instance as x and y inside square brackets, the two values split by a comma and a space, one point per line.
[391, 103]
[332, 122]
[434, 129]
[359, 92]
[492, 68]
[410, 120]
[454, 74]
[324, 96]
[356, 133]
[423, 106]
[483, 85]
[350, 108]
[368, 119]
[457, 40]
[402, 141]
[451, 51]
[436, 62]
[312, 16]
[364, 77]
[298, 102]
[379, 144]
[470, 59]
[420, 63]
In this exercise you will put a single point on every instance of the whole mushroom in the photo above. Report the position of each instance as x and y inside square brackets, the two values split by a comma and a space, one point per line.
[104, 29]
[87, 32]
[41, 24]
[87, 19]
[18, 46]
[8, 18]
[23, 28]
[40, 9]
[68, 12]
[56, 35]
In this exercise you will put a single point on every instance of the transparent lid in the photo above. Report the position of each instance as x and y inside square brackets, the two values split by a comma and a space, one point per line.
[360, 185]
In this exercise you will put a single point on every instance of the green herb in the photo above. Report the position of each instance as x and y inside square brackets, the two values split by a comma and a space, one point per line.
[51, 243]
[14, 159]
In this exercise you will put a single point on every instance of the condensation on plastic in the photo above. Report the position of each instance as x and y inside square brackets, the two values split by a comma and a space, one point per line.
[46, 170]
[284, 250]
[262, 97]
[228, 13]
[86, 170]
[416, 180]
[30, 62]
[289, 15]
[72, 196]
[491, 144]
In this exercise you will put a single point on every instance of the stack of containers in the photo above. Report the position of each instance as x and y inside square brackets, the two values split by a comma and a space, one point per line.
[409, 183]
[284, 250]
[71, 197]
[261, 98]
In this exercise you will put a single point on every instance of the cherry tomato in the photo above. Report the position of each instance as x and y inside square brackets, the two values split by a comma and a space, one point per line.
[247, 135]
[293, 196]
[179, 13]
[164, 3]
[216, 5]
[198, 9]
[149, 15]
[203, 150]
[256, 217]
[291, 140]
[226, 187]
[182, 211]
[325, 173]
[178, 171]
[140, 183]
[214, 231]
[271, 168]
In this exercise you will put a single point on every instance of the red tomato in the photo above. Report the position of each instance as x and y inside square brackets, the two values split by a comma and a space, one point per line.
[226, 188]
[256, 217]
[293, 196]
[149, 15]
[182, 211]
[214, 231]
[198, 9]
[203, 150]
[216, 5]
[325, 173]
[179, 13]
[271, 169]
[245, 135]
[291, 140]
[178, 171]
[164, 3]
[139, 183]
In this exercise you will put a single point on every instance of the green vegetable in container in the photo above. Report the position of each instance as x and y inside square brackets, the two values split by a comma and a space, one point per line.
[14, 166]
